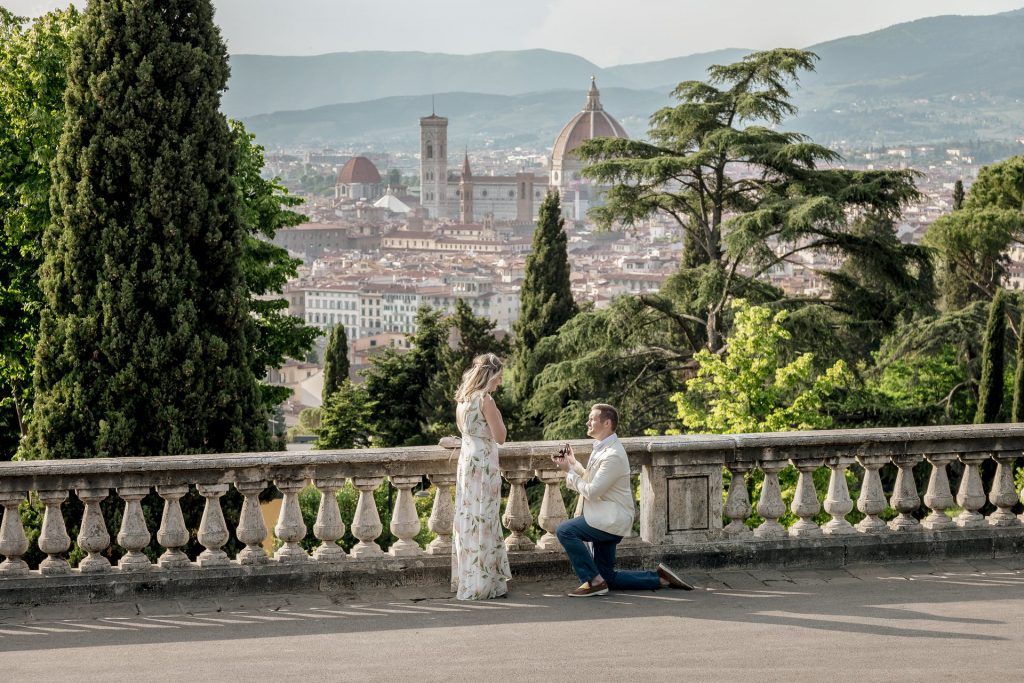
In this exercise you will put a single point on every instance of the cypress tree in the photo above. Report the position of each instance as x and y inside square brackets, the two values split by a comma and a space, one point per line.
[144, 330]
[990, 388]
[546, 301]
[1017, 411]
[958, 195]
[335, 361]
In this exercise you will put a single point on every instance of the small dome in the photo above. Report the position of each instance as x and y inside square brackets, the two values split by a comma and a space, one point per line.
[358, 170]
[592, 122]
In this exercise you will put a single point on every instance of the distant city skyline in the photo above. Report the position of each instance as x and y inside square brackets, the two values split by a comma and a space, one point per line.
[599, 30]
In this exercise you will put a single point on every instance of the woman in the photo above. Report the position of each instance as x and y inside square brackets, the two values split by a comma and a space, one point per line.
[479, 561]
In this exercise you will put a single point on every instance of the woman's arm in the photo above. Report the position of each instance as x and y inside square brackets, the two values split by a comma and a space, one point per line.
[493, 416]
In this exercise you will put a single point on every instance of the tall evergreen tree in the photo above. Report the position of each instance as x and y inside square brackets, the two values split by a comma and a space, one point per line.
[958, 195]
[546, 301]
[1017, 411]
[335, 361]
[990, 388]
[144, 339]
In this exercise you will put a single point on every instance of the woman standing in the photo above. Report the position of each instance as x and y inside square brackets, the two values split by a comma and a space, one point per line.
[479, 561]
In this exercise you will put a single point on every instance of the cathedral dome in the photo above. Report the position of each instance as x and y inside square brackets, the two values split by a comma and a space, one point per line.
[592, 122]
[358, 170]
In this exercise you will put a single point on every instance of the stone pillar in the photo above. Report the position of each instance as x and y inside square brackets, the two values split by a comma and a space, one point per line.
[938, 497]
[53, 537]
[737, 504]
[133, 535]
[290, 527]
[838, 503]
[405, 522]
[904, 495]
[679, 503]
[805, 500]
[251, 528]
[442, 514]
[517, 515]
[213, 530]
[872, 499]
[172, 534]
[770, 506]
[92, 535]
[971, 495]
[13, 542]
[1003, 495]
[552, 509]
[366, 525]
[329, 527]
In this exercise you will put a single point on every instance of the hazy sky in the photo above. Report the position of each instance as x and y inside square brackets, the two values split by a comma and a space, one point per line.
[606, 32]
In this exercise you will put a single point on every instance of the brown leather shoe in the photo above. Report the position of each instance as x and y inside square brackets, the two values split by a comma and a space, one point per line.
[586, 590]
[674, 580]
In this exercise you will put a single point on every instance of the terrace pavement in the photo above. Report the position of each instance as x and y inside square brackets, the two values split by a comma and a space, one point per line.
[946, 621]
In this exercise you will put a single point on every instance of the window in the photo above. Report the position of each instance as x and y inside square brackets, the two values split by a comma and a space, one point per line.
[483, 193]
[511, 194]
[430, 151]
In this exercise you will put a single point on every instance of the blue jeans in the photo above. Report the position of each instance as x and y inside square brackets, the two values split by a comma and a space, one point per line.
[572, 534]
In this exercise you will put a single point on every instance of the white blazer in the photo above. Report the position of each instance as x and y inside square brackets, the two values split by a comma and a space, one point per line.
[605, 489]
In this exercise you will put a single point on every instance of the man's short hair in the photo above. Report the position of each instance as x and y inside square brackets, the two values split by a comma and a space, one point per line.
[607, 412]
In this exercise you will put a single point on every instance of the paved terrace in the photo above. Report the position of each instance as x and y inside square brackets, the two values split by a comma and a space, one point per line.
[948, 621]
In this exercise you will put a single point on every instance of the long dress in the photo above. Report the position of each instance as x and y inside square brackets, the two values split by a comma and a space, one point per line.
[479, 561]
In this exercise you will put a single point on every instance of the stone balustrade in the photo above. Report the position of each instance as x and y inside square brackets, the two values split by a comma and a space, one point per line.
[680, 501]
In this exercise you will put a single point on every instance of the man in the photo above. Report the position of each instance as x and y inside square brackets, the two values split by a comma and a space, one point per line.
[608, 507]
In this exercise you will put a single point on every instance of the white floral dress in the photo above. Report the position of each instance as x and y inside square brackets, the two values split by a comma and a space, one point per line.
[479, 561]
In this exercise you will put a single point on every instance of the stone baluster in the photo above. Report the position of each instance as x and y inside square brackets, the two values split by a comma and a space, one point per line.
[770, 506]
[13, 542]
[366, 526]
[904, 494]
[517, 515]
[838, 503]
[213, 530]
[92, 535]
[442, 514]
[251, 530]
[405, 521]
[329, 527]
[938, 497]
[872, 498]
[172, 534]
[805, 500]
[737, 503]
[290, 527]
[1003, 495]
[552, 509]
[971, 495]
[53, 537]
[133, 535]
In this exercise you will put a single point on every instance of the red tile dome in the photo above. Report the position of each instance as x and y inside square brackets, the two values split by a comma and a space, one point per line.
[358, 170]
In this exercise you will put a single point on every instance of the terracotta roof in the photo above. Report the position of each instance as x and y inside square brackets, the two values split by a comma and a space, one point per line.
[358, 170]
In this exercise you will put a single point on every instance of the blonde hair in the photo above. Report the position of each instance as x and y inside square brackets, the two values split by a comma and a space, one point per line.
[484, 369]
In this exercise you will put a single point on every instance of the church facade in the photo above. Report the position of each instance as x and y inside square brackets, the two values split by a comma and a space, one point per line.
[468, 198]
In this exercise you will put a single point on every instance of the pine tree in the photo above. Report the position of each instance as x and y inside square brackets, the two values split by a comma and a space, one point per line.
[144, 340]
[958, 195]
[990, 387]
[546, 301]
[335, 361]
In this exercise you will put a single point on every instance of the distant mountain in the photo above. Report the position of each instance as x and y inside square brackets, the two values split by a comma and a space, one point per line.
[476, 120]
[948, 77]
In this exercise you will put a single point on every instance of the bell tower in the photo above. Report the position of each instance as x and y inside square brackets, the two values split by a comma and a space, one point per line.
[434, 165]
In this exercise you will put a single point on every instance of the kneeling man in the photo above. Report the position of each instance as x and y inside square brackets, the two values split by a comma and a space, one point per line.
[607, 516]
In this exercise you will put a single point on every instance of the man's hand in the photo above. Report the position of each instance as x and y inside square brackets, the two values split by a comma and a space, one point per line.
[567, 462]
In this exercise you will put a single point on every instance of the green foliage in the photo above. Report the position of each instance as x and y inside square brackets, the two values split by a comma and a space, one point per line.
[336, 364]
[1017, 409]
[748, 389]
[33, 58]
[958, 195]
[972, 243]
[990, 388]
[145, 336]
[345, 418]
[546, 301]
